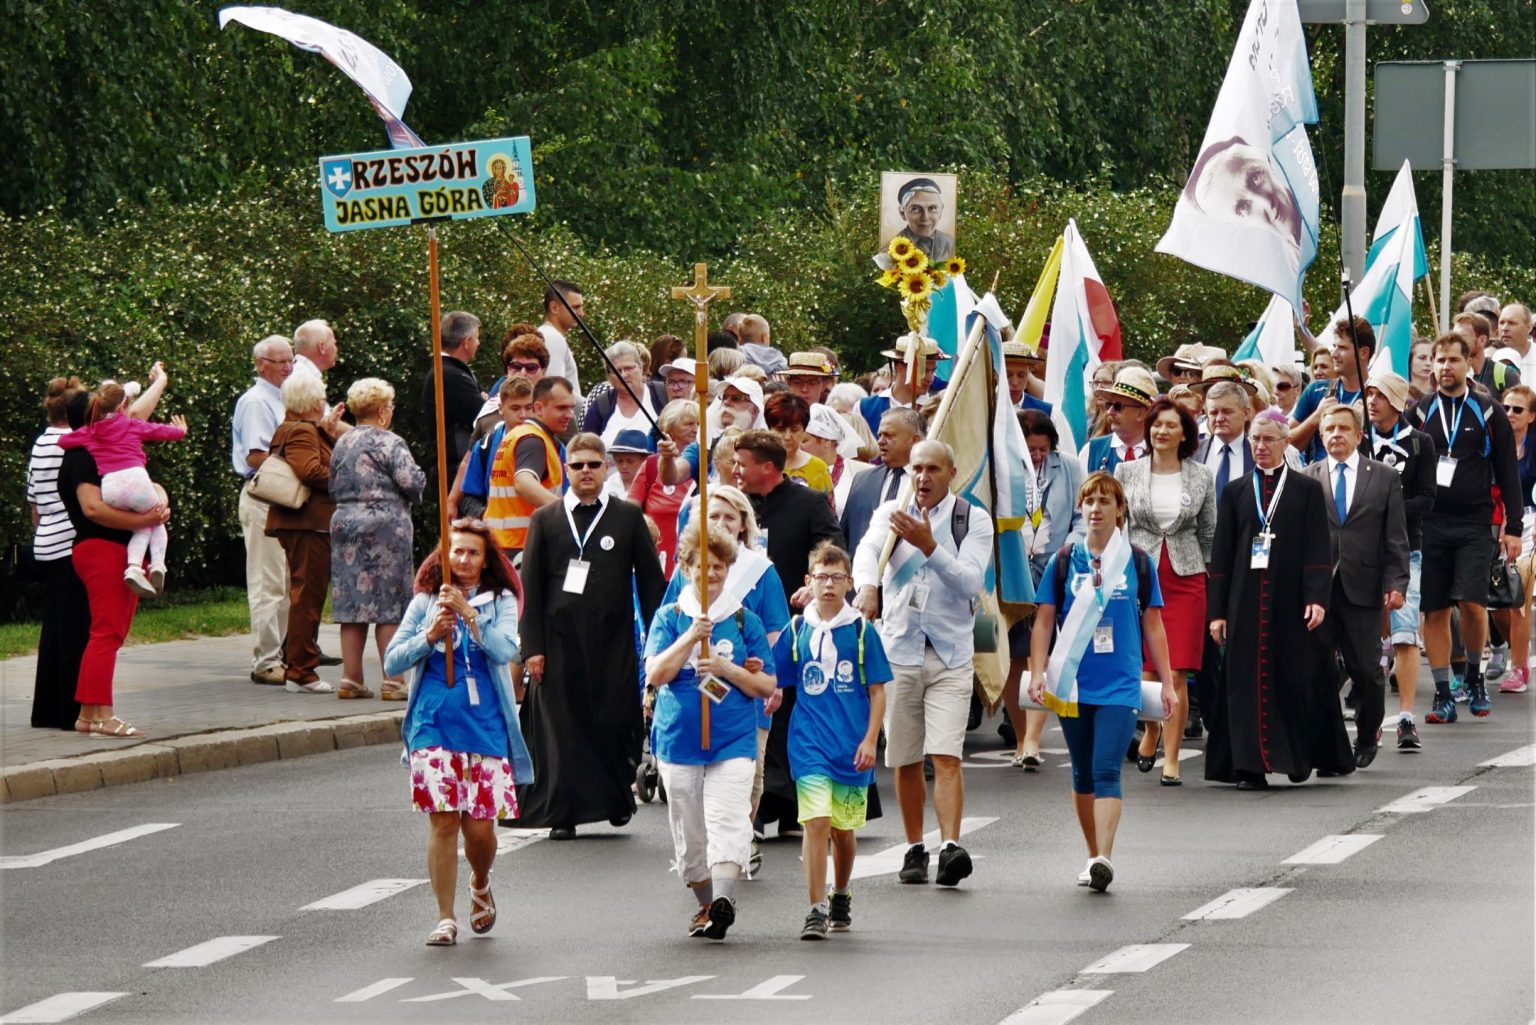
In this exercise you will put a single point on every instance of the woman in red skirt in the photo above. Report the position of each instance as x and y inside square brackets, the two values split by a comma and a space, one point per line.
[1172, 500]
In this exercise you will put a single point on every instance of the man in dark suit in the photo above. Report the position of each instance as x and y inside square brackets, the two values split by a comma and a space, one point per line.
[1226, 452]
[1369, 535]
[900, 429]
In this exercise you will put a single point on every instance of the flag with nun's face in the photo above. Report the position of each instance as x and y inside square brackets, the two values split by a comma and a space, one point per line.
[1250, 207]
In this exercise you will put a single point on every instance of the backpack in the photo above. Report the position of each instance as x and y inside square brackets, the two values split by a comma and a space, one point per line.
[794, 644]
[1140, 558]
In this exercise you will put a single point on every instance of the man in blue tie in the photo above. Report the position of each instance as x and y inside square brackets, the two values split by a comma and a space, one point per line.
[1226, 452]
[1369, 536]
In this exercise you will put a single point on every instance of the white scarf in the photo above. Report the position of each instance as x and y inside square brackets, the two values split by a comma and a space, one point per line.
[721, 609]
[821, 648]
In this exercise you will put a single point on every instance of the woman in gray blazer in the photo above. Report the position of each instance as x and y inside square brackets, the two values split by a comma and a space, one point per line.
[1172, 500]
[1056, 521]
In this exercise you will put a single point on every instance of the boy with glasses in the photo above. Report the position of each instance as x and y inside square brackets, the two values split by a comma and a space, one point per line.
[838, 666]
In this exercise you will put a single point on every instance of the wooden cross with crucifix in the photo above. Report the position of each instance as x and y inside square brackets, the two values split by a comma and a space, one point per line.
[701, 294]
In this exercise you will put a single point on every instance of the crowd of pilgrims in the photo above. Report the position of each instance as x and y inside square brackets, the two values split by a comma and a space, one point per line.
[1298, 536]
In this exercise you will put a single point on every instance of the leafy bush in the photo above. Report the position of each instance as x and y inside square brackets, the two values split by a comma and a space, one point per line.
[198, 284]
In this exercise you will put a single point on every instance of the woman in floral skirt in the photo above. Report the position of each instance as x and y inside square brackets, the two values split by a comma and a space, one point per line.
[462, 742]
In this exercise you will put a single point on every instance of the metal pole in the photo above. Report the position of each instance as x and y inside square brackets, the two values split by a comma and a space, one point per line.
[1352, 202]
[1447, 166]
[444, 543]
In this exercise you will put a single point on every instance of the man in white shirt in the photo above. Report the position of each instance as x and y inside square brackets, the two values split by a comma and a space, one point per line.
[314, 349]
[1515, 333]
[557, 322]
[936, 571]
[257, 414]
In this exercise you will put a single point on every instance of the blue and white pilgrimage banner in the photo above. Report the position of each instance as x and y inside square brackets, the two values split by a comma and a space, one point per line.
[459, 181]
[1250, 207]
[1273, 338]
[381, 79]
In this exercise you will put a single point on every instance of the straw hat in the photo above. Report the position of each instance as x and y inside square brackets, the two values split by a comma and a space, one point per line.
[1392, 387]
[1191, 357]
[1132, 383]
[1018, 350]
[905, 344]
[808, 364]
[1213, 373]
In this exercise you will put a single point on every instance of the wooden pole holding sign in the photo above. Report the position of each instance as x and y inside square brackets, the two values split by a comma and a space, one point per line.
[444, 543]
[700, 293]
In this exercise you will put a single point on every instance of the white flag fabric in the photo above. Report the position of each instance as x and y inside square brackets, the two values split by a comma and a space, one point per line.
[1250, 207]
[384, 82]
[1273, 338]
[1085, 331]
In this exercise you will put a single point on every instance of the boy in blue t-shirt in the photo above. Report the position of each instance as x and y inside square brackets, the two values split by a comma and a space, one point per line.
[837, 661]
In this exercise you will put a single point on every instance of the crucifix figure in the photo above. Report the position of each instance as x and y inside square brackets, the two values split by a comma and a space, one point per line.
[701, 294]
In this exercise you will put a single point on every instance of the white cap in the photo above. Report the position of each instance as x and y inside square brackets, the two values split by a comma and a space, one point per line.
[687, 366]
[828, 423]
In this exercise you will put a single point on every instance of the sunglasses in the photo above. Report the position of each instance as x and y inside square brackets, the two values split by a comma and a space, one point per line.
[526, 368]
[1115, 407]
[593, 464]
[1514, 409]
[1284, 386]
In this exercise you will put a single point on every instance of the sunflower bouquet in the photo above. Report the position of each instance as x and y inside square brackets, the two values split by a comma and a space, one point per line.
[907, 269]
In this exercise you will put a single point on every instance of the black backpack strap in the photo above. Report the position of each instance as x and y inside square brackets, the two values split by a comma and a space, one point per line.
[960, 520]
[1143, 563]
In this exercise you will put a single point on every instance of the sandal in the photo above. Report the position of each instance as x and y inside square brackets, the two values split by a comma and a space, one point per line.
[113, 727]
[445, 935]
[352, 689]
[482, 915]
[393, 690]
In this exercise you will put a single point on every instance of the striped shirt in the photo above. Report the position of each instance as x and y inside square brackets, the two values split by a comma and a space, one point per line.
[55, 535]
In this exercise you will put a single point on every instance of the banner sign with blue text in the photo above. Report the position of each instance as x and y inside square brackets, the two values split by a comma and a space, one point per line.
[392, 187]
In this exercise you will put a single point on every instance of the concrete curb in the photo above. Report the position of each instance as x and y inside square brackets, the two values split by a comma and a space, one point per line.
[199, 752]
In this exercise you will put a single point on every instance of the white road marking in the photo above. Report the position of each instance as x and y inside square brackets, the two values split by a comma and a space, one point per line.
[107, 840]
[1184, 756]
[59, 1007]
[1331, 850]
[363, 894]
[606, 987]
[357, 996]
[509, 840]
[889, 860]
[204, 954]
[1518, 758]
[1238, 903]
[1138, 957]
[1425, 799]
[769, 990]
[1057, 1007]
[470, 987]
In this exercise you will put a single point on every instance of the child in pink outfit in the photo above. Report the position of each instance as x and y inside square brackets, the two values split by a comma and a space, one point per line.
[115, 440]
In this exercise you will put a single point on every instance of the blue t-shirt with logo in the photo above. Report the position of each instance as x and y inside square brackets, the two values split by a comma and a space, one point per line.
[675, 725]
[831, 713]
[1105, 678]
[1306, 404]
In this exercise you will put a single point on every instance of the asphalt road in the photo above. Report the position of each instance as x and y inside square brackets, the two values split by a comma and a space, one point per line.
[1422, 916]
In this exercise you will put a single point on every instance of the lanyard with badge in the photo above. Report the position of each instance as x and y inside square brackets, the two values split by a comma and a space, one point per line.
[578, 568]
[461, 629]
[1265, 536]
[1445, 469]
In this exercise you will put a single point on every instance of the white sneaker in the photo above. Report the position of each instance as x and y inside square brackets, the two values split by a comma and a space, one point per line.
[1100, 873]
[134, 577]
[1086, 875]
[157, 578]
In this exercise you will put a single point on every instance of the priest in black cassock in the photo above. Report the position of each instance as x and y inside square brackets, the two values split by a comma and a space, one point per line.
[1271, 575]
[587, 558]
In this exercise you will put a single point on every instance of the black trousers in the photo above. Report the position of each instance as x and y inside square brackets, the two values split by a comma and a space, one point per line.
[1355, 633]
[66, 627]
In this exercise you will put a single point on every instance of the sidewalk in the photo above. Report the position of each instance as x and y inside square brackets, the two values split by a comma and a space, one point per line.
[199, 710]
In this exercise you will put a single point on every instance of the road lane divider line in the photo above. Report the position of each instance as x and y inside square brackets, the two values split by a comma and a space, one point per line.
[59, 1007]
[1516, 759]
[85, 846]
[1332, 849]
[379, 988]
[204, 954]
[1138, 957]
[363, 894]
[1057, 1007]
[1239, 903]
[1425, 799]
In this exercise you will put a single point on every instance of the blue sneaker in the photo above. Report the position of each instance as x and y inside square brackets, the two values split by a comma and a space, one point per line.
[1480, 706]
[1444, 711]
[1459, 690]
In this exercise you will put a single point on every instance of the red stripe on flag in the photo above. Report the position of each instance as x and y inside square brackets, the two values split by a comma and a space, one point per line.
[1105, 323]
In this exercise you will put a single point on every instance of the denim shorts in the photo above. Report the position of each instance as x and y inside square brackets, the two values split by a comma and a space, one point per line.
[1405, 621]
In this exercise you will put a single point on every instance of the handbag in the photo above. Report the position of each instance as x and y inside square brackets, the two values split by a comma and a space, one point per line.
[1151, 702]
[1505, 588]
[275, 482]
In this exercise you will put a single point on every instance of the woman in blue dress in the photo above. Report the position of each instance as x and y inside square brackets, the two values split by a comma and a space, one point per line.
[463, 746]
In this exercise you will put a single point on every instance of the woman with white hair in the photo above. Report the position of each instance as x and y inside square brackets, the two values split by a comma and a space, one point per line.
[304, 442]
[374, 482]
[615, 410]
